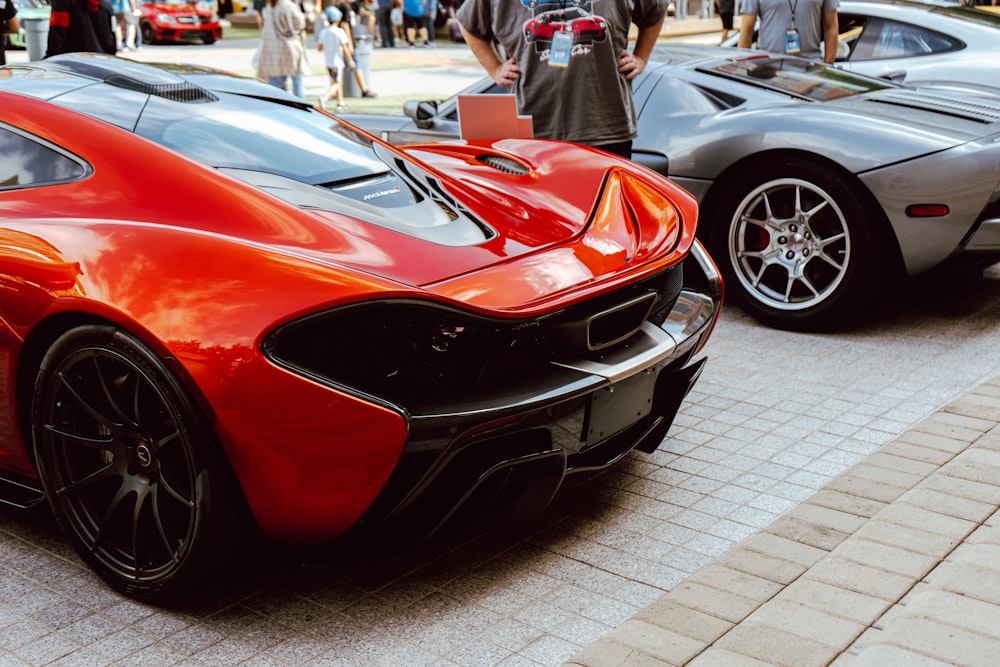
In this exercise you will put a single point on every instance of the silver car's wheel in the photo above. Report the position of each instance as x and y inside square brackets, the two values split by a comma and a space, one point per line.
[790, 244]
[794, 243]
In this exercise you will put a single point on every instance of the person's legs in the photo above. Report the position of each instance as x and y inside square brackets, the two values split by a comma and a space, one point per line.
[138, 31]
[299, 86]
[130, 33]
[339, 72]
[120, 30]
[410, 25]
[333, 90]
[330, 89]
[359, 76]
[429, 28]
[278, 81]
[727, 24]
[385, 26]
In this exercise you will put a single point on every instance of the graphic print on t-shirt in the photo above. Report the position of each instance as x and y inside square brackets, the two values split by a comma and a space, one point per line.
[561, 29]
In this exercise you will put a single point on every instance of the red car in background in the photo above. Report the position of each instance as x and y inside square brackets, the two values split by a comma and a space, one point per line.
[582, 25]
[179, 21]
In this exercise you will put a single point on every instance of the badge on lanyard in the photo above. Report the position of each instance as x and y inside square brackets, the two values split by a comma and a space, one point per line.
[792, 35]
[561, 48]
[792, 41]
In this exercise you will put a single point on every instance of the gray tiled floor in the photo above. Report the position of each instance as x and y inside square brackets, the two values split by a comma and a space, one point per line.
[775, 416]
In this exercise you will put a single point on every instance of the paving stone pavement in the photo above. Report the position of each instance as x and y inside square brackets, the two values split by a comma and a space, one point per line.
[776, 417]
[895, 562]
[774, 489]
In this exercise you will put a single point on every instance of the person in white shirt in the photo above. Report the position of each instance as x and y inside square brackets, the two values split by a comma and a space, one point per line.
[332, 43]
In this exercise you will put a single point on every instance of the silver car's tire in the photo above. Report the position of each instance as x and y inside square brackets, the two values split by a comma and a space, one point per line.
[794, 242]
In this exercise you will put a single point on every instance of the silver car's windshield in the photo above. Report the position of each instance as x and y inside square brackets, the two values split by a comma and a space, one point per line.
[797, 76]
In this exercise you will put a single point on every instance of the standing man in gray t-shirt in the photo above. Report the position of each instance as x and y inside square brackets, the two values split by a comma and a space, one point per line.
[792, 26]
[567, 62]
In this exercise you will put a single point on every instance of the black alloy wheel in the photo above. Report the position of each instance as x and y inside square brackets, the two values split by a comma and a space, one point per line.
[126, 462]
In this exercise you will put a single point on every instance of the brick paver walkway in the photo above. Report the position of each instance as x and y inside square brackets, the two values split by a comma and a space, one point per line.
[895, 562]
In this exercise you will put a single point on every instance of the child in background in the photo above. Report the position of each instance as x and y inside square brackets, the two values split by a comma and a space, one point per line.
[396, 18]
[332, 43]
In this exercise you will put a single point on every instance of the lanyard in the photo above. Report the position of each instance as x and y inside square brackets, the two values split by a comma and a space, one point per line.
[792, 8]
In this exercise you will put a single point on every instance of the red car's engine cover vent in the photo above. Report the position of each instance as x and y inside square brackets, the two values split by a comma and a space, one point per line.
[504, 164]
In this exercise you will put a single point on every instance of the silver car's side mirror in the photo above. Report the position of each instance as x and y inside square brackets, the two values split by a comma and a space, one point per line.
[421, 112]
[896, 76]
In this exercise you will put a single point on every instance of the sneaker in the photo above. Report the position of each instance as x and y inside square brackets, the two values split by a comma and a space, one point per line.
[322, 102]
[369, 93]
[341, 106]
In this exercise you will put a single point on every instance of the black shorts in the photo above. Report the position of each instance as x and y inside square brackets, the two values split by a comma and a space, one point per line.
[414, 22]
[726, 8]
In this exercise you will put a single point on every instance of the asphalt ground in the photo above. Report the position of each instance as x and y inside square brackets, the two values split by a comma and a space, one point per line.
[625, 562]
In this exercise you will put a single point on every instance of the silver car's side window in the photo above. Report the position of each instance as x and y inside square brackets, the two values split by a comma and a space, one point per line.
[883, 39]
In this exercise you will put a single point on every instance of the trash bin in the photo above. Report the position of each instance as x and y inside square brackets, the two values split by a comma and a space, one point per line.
[36, 37]
[364, 46]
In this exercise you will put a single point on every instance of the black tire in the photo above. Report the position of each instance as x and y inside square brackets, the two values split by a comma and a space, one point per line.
[128, 464]
[795, 244]
[148, 36]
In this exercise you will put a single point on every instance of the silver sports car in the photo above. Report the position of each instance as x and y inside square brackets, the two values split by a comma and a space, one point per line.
[817, 186]
[932, 41]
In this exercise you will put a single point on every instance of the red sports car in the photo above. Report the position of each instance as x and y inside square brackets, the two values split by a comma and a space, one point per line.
[221, 302]
[581, 25]
[179, 21]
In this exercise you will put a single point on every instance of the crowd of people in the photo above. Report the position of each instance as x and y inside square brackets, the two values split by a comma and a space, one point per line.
[495, 31]
[282, 56]
[339, 28]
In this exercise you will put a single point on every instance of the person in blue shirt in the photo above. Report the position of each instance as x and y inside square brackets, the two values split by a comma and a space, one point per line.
[415, 21]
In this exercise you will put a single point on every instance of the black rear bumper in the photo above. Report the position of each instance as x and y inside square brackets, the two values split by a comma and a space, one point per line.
[513, 446]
